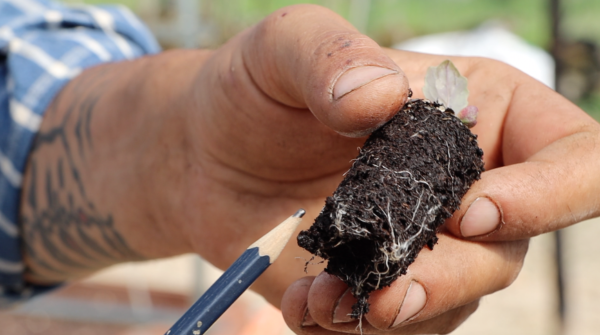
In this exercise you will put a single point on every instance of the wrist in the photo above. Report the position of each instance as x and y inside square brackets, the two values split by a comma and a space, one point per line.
[166, 161]
[153, 143]
[87, 189]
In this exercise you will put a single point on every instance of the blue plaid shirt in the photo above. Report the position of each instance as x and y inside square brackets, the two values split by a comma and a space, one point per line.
[43, 45]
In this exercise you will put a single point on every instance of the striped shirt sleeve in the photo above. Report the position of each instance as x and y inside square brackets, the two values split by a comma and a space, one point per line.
[43, 45]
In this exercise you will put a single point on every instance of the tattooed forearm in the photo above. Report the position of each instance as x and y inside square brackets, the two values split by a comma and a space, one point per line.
[65, 234]
[102, 185]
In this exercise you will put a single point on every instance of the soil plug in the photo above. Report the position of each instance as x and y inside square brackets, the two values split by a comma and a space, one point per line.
[408, 178]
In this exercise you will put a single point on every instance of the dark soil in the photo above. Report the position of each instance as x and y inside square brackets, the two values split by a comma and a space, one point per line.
[408, 179]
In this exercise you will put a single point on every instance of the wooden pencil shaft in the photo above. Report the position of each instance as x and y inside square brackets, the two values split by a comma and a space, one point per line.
[227, 289]
[273, 242]
[240, 275]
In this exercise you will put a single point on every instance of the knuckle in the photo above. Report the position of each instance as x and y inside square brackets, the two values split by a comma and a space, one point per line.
[458, 316]
[517, 250]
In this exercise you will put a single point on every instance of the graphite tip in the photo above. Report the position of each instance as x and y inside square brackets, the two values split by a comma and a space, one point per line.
[300, 213]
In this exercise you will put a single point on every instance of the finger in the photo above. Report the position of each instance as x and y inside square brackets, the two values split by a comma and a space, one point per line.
[552, 182]
[299, 319]
[295, 312]
[554, 189]
[316, 59]
[549, 143]
[261, 85]
[453, 274]
[441, 324]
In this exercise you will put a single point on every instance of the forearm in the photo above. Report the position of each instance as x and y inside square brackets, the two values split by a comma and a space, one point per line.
[86, 200]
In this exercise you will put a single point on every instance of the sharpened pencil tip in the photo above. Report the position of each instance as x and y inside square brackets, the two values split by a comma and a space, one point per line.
[300, 213]
[273, 242]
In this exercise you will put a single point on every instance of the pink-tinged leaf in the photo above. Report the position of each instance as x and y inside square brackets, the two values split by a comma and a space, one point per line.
[468, 116]
[445, 85]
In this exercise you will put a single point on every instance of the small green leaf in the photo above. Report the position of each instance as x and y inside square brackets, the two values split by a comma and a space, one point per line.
[445, 85]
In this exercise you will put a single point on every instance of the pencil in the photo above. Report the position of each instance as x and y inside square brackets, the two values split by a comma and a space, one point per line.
[235, 280]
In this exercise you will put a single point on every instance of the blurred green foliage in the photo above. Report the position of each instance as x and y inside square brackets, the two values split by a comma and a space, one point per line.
[388, 21]
[395, 20]
[591, 105]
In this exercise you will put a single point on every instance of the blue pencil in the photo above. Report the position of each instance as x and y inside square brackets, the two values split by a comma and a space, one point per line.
[240, 275]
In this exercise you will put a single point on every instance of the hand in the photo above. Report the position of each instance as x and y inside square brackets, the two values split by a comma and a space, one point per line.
[540, 159]
[264, 144]
[224, 146]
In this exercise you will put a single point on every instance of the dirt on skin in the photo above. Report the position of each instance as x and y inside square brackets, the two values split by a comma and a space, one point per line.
[407, 180]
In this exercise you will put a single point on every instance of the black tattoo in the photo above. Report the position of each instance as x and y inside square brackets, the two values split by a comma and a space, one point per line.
[62, 229]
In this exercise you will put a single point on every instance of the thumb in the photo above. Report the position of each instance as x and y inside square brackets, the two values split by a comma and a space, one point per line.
[308, 56]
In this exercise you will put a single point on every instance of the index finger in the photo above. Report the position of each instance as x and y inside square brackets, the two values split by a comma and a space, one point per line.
[541, 153]
[550, 147]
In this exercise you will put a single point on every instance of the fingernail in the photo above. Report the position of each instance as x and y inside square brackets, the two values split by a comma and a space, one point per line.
[413, 303]
[307, 321]
[358, 77]
[482, 217]
[342, 311]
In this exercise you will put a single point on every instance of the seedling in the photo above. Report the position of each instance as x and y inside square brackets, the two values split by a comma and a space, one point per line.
[445, 85]
[408, 178]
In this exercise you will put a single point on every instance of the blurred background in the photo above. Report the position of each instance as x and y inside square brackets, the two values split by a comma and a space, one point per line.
[555, 41]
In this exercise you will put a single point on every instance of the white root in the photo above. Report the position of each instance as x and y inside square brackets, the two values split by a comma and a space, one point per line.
[396, 250]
